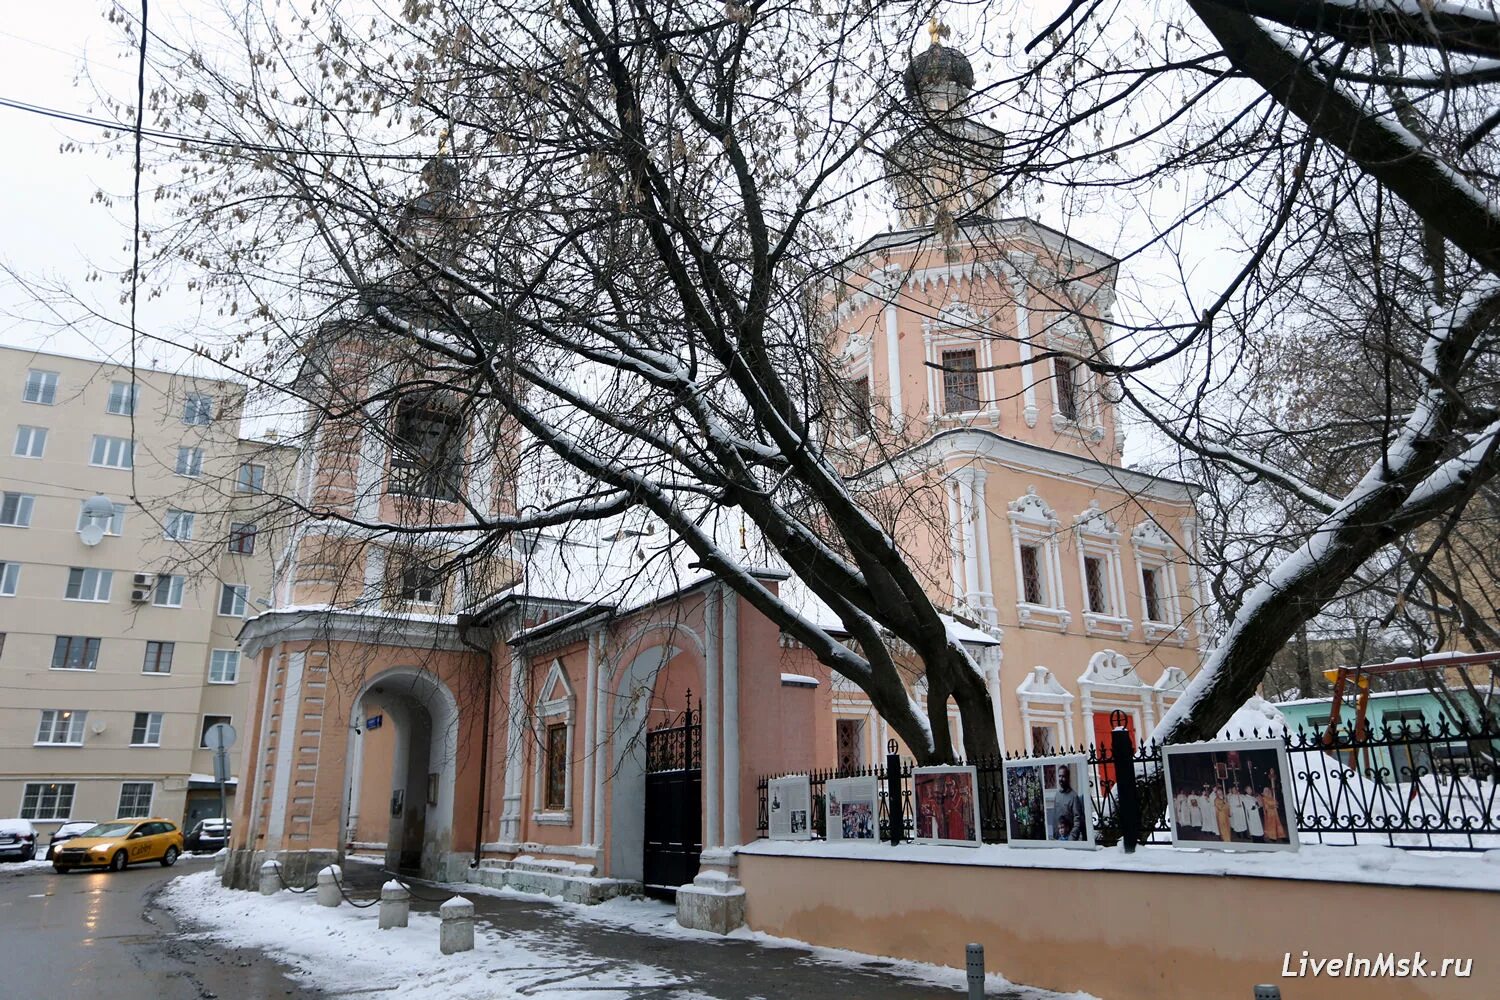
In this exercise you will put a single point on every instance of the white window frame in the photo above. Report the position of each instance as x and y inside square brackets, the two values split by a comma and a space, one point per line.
[122, 813]
[31, 441]
[10, 578]
[204, 726]
[189, 462]
[94, 585]
[1045, 703]
[123, 399]
[110, 452]
[555, 703]
[248, 530]
[1096, 536]
[1109, 683]
[25, 507]
[198, 409]
[1068, 337]
[151, 736]
[959, 328]
[1155, 550]
[66, 722]
[174, 585]
[216, 669]
[114, 526]
[46, 387]
[1033, 522]
[59, 800]
[177, 526]
[241, 599]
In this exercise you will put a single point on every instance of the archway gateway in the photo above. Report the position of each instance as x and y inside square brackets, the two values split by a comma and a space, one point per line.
[674, 807]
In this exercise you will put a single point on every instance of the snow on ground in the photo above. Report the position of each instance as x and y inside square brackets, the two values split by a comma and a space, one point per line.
[343, 950]
[24, 867]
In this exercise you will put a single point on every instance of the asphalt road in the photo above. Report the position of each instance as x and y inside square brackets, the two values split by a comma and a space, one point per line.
[97, 935]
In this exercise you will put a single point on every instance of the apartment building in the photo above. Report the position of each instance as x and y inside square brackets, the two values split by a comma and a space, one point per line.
[134, 540]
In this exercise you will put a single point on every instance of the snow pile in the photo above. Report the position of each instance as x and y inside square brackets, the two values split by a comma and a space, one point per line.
[1256, 718]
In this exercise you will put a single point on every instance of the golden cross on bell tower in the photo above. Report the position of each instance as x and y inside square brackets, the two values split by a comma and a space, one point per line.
[936, 30]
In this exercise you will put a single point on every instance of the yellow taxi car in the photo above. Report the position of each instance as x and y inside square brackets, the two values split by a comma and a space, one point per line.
[120, 843]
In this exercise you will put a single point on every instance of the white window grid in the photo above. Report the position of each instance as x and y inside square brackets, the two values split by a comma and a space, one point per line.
[178, 525]
[1097, 538]
[114, 526]
[135, 799]
[88, 584]
[16, 509]
[224, 666]
[198, 409]
[61, 727]
[123, 397]
[189, 461]
[146, 730]
[10, 578]
[168, 590]
[112, 452]
[234, 600]
[31, 442]
[47, 800]
[1033, 523]
[41, 387]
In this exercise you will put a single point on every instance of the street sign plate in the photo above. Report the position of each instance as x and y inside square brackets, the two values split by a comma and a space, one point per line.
[221, 767]
[220, 736]
[374, 722]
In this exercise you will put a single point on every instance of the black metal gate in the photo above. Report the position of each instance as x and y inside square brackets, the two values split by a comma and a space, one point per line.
[674, 812]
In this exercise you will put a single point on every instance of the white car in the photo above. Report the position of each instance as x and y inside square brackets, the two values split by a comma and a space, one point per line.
[17, 840]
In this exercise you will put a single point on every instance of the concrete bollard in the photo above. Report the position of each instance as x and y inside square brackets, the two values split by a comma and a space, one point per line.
[328, 886]
[395, 905]
[1267, 992]
[456, 932]
[270, 878]
[974, 967]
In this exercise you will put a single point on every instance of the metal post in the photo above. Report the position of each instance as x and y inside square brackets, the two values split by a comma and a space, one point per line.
[974, 965]
[894, 808]
[1127, 800]
[221, 772]
[1267, 992]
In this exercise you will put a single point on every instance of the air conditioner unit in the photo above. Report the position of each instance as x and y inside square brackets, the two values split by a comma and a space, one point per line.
[142, 580]
[141, 587]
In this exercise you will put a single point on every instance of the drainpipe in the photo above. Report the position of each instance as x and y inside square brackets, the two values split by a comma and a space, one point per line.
[465, 621]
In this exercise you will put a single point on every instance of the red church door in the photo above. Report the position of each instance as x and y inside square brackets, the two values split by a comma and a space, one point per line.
[1102, 730]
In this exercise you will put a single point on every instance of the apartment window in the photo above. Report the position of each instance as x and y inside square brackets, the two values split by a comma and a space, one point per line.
[114, 526]
[10, 578]
[168, 593]
[209, 721]
[1033, 589]
[224, 666]
[15, 509]
[189, 462]
[242, 538]
[960, 382]
[198, 408]
[251, 478]
[61, 727]
[419, 584]
[135, 799]
[428, 452]
[41, 387]
[47, 800]
[85, 584]
[233, 599]
[122, 397]
[1095, 587]
[557, 766]
[147, 730]
[158, 657]
[75, 652]
[30, 441]
[1151, 594]
[178, 525]
[1065, 381]
[113, 452]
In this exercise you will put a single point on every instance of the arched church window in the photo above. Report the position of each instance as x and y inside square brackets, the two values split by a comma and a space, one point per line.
[428, 450]
[960, 381]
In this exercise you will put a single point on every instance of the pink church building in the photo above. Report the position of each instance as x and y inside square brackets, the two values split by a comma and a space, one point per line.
[576, 717]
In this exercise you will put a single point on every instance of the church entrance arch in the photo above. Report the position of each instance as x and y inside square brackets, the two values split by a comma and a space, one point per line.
[424, 715]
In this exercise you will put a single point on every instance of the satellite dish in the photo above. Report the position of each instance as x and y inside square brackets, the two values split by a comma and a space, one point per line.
[98, 511]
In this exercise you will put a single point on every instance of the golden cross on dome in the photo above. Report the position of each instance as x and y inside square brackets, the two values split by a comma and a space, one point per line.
[442, 140]
[936, 30]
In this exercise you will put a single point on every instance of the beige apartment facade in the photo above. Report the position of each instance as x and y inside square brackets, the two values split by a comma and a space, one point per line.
[119, 616]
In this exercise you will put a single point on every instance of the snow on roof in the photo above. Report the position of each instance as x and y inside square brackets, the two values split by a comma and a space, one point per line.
[799, 680]
[1256, 717]
[1327, 699]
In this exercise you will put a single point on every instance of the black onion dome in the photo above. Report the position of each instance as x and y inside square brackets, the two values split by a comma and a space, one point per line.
[441, 174]
[938, 64]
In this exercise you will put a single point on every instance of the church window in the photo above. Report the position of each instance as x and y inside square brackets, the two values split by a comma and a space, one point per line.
[427, 458]
[960, 382]
[1066, 382]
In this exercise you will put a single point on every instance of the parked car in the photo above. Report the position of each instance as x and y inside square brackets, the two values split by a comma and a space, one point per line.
[67, 832]
[17, 840]
[208, 836]
[120, 843]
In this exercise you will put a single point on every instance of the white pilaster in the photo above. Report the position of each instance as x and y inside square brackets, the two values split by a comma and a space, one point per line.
[712, 670]
[893, 345]
[372, 461]
[286, 748]
[732, 831]
[515, 745]
[590, 750]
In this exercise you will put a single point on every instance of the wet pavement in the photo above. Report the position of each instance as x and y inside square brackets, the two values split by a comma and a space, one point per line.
[97, 934]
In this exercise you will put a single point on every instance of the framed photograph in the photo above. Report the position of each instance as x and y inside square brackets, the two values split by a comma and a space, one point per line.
[946, 800]
[853, 808]
[789, 808]
[1047, 802]
[1230, 796]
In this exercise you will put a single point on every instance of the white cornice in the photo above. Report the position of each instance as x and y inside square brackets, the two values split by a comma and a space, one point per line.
[329, 625]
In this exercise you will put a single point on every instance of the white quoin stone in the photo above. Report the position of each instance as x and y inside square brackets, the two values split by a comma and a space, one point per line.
[328, 886]
[456, 932]
[395, 905]
[270, 878]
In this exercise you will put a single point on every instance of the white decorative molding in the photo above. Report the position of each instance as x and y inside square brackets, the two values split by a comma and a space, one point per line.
[1098, 538]
[1045, 702]
[1154, 550]
[555, 698]
[1110, 682]
[1034, 523]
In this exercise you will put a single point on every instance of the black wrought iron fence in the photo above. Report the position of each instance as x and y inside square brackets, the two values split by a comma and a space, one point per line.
[1420, 786]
